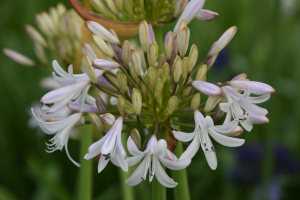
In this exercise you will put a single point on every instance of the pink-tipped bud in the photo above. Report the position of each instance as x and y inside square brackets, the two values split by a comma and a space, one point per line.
[207, 88]
[255, 87]
[206, 15]
[107, 118]
[105, 64]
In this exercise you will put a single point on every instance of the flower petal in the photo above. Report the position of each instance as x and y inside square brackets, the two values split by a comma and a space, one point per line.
[192, 148]
[120, 160]
[132, 148]
[95, 148]
[182, 136]
[86, 108]
[258, 119]
[102, 163]
[175, 165]
[252, 108]
[208, 123]
[259, 99]
[247, 124]
[224, 140]
[227, 127]
[137, 175]
[255, 87]
[160, 148]
[135, 159]
[162, 176]
[67, 151]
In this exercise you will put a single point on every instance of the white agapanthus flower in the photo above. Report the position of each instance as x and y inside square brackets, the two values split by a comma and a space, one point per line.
[61, 128]
[110, 147]
[241, 106]
[204, 127]
[154, 152]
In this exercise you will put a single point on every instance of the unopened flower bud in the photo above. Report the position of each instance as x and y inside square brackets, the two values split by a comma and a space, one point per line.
[158, 87]
[161, 60]
[105, 64]
[206, 15]
[182, 24]
[223, 41]
[180, 5]
[159, 99]
[121, 103]
[136, 101]
[40, 53]
[218, 113]
[195, 103]
[107, 118]
[186, 90]
[151, 73]
[128, 6]
[112, 6]
[172, 105]
[100, 103]
[185, 64]
[35, 35]
[88, 69]
[257, 88]
[153, 54]
[211, 103]
[88, 50]
[144, 88]
[126, 52]
[96, 122]
[144, 35]
[168, 44]
[129, 110]
[159, 73]
[258, 119]
[240, 77]
[193, 57]
[102, 46]
[133, 75]
[122, 81]
[166, 71]
[183, 38]
[234, 133]
[207, 88]
[135, 136]
[136, 62]
[119, 4]
[19, 58]
[211, 61]
[201, 73]
[177, 69]
[96, 28]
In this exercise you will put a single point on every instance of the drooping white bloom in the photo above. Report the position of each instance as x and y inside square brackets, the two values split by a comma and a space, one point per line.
[65, 79]
[57, 99]
[190, 11]
[203, 129]
[236, 102]
[110, 147]
[207, 88]
[62, 128]
[154, 152]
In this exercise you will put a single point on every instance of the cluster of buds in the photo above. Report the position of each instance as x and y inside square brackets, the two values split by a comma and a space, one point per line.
[160, 99]
[61, 37]
[124, 15]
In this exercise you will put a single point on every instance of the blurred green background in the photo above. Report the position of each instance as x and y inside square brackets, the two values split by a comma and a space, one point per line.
[266, 47]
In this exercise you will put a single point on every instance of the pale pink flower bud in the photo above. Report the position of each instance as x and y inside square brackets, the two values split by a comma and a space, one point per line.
[207, 88]
[105, 64]
[108, 118]
[255, 87]
[206, 15]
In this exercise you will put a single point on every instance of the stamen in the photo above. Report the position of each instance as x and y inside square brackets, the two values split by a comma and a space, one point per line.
[49, 104]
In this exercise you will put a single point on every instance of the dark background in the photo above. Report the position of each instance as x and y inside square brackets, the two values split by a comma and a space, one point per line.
[266, 48]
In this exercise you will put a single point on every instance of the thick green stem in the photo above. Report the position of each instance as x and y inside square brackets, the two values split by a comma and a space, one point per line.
[85, 176]
[158, 190]
[159, 39]
[128, 193]
[181, 191]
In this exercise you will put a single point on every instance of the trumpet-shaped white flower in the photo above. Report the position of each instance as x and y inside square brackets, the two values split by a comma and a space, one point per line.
[154, 152]
[62, 128]
[236, 102]
[111, 148]
[205, 127]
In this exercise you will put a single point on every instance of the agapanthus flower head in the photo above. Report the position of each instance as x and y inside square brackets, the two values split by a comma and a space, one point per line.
[160, 99]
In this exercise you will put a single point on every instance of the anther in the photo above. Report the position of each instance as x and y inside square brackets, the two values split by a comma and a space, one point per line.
[49, 104]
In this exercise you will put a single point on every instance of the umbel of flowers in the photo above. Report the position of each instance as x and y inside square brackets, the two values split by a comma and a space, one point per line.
[161, 99]
[61, 35]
